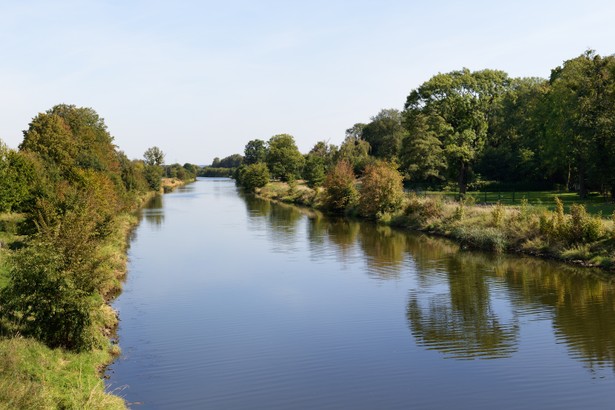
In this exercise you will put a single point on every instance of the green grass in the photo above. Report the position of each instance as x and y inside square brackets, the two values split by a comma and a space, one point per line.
[595, 204]
[32, 376]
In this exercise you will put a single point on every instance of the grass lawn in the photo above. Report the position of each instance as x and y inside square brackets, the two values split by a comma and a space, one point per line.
[595, 204]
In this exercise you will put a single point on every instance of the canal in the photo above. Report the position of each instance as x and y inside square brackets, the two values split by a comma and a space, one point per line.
[237, 303]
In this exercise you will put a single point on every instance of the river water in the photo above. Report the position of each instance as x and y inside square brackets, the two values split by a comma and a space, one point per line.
[237, 303]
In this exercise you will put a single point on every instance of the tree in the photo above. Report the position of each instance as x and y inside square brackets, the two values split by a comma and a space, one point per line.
[422, 156]
[385, 134]
[327, 152]
[340, 190]
[314, 170]
[464, 101]
[18, 177]
[232, 161]
[382, 190]
[355, 149]
[255, 152]
[50, 138]
[283, 157]
[69, 137]
[581, 121]
[154, 156]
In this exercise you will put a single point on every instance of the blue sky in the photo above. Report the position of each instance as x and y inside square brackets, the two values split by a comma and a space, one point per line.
[199, 79]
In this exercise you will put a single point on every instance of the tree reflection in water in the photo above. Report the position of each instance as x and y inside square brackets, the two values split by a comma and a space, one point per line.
[153, 212]
[466, 305]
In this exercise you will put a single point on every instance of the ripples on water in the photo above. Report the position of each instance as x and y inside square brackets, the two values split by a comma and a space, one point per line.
[233, 302]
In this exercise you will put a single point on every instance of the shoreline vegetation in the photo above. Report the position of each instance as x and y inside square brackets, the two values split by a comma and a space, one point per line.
[473, 134]
[574, 237]
[68, 204]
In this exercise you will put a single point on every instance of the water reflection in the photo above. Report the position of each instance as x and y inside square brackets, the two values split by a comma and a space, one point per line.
[153, 212]
[459, 319]
[465, 305]
[582, 305]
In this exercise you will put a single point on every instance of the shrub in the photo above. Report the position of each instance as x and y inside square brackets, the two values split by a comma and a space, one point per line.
[340, 191]
[382, 191]
[42, 300]
[253, 176]
[583, 227]
[419, 211]
[497, 215]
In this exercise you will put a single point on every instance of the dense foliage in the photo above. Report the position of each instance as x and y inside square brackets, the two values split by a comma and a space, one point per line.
[465, 129]
[71, 182]
[382, 190]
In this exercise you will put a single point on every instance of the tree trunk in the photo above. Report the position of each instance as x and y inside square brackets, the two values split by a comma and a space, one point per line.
[462, 179]
[582, 183]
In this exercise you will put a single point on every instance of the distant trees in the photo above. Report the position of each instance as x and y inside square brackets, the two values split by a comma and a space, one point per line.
[232, 161]
[153, 172]
[466, 129]
[255, 151]
[355, 149]
[318, 162]
[385, 134]
[154, 156]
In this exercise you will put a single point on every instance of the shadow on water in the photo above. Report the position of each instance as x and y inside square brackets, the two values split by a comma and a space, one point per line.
[467, 305]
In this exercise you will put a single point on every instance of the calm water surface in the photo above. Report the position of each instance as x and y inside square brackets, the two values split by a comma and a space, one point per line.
[237, 303]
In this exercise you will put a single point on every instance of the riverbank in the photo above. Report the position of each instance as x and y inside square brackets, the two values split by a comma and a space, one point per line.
[169, 184]
[575, 237]
[33, 375]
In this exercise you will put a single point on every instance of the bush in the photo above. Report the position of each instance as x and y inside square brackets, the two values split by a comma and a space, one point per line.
[497, 215]
[253, 176]
[583, 227]
[340, 190]
[42, 300]
[382, 190]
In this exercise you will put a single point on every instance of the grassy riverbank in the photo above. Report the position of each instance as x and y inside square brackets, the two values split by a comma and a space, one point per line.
[573, 235]
[34, 376]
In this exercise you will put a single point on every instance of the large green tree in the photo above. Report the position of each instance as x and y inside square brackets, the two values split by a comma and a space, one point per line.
[581, 120]
[283, 157]
[462, 104]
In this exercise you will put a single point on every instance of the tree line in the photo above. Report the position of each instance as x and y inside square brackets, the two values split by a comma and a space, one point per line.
[470, 129]
[71, 182]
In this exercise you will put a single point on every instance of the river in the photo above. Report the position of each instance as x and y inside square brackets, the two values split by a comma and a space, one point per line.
[236, 303]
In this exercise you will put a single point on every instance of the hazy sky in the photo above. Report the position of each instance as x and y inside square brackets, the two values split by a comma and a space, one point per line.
[199, 79]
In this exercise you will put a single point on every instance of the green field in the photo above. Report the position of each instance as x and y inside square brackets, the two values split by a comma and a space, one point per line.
[595, 204]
